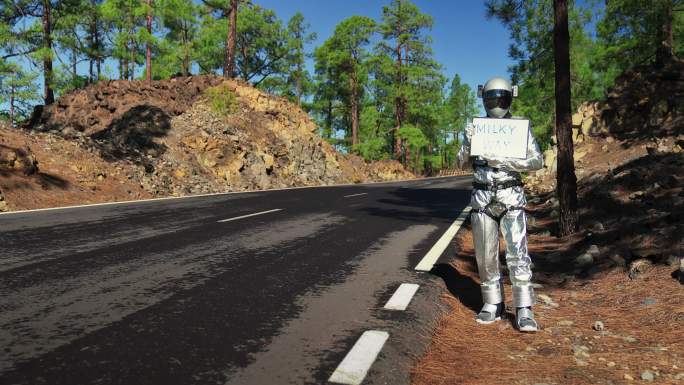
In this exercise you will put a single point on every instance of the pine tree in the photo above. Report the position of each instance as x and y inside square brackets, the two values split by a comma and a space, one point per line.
[531, 26]
[325, 98]
[228, 10]
[297, 77]
[261, 43]
[93, 26]
[180, 18]
[229, 68]
[35, 36]
[148, 41]
[402, 29]
[345, 55]
[17, 90]
[459, 107]
[126, 21]
[634, 32]
[565, 176]
[70, 47]
[294, 82]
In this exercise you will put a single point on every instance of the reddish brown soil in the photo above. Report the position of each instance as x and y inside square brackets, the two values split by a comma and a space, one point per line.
[638, 335]
[66, 175]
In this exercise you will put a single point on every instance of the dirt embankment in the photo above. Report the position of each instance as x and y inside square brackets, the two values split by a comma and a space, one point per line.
[121, 140]
[609, 308]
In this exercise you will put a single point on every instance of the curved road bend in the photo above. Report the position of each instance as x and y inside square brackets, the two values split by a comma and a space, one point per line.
[200, 291]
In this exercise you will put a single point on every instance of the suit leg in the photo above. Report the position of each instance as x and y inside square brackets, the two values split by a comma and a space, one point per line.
[486, 242]
[513, 227]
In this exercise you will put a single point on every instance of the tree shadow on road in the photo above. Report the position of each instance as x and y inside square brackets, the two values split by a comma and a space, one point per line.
[421, 204]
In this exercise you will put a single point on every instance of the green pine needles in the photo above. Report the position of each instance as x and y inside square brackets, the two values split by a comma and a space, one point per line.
[222, 100]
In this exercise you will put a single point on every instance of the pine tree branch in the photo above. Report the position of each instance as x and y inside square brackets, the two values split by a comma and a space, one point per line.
[10, 55]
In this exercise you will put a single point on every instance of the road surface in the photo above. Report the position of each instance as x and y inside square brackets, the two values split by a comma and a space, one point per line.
[270, 287]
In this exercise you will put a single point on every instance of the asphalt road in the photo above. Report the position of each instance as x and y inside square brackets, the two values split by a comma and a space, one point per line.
[161, 292]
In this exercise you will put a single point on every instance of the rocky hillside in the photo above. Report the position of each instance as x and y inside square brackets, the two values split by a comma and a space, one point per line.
[121, 140]
[630, 169]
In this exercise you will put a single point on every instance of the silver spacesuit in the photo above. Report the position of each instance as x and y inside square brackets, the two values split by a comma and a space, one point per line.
[498, 202]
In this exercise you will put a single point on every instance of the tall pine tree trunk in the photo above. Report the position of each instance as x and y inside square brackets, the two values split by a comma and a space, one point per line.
[131, 64]
[186, 53]
[665, 42]
[11, 104]
[229, 67]
[565, 178]
[244, 68]
[47, 57]
[91, 58]
[98, 54]
[354, 107]
[74, 63]
[123, 69]
[298, 84]
[148, 49]
[94, 38]
[398, 114]
[329, 118]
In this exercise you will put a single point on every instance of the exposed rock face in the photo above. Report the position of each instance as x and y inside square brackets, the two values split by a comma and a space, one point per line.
[642, 103]
[17, 160]
[103, 105]
[266, 142]
[644, 109]
[170, 138]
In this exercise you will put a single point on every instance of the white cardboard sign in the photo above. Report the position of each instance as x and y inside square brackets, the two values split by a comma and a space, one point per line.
[503, 138]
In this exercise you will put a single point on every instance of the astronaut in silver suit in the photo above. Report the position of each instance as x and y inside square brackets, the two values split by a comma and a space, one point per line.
[498, 202]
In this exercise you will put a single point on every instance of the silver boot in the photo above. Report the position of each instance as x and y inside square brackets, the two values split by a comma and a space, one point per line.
[525, 321]
[490, 313]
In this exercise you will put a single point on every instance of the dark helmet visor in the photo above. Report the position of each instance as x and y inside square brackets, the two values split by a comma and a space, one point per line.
[497, 98]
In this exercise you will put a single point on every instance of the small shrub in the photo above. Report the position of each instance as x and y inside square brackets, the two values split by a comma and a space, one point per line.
[222, 100]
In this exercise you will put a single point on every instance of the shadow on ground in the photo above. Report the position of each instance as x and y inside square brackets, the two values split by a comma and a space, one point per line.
[635, 212]
[462, 287]
[132, 136]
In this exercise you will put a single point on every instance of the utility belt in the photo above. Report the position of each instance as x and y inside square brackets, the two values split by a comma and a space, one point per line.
[496, 210]
[497, 186]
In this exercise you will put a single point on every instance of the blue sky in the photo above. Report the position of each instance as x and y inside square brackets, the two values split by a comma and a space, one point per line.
[464, 41]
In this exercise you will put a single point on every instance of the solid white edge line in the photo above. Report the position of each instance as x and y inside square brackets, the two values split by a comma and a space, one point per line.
[223, 193]
[248, 215]
[438, 248]
[355, 365]
[402, 297]
[354, 195]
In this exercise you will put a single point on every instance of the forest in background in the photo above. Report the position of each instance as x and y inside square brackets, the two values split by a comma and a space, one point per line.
[376, 89]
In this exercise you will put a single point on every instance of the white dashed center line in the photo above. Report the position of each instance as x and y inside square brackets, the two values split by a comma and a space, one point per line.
[355, 195]
[402, 297]
[353, 368]
[248, 215]
[436, 251]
